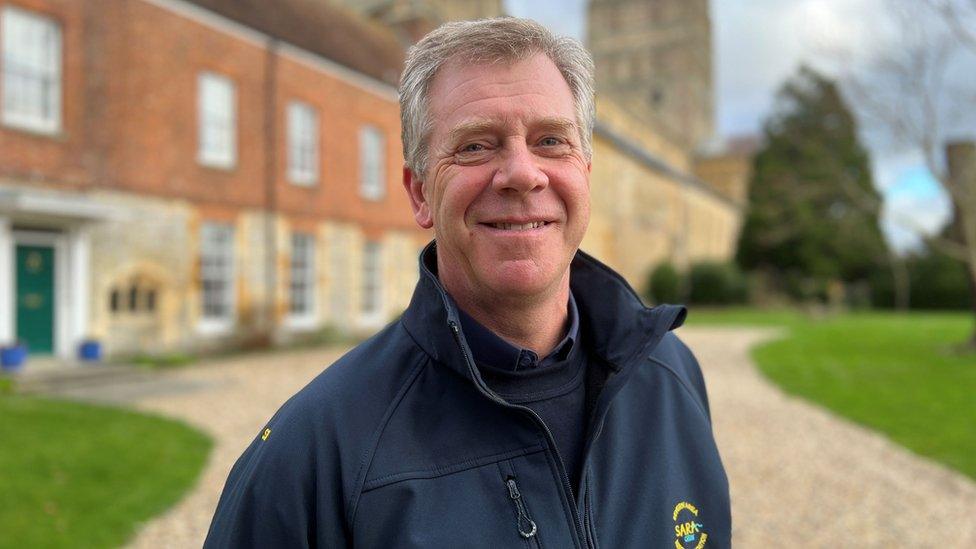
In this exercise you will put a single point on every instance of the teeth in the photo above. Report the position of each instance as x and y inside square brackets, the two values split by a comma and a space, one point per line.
[518, 227]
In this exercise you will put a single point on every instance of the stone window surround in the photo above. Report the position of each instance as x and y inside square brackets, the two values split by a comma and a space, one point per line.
[302, 287]
[217, 265]
[371, 302]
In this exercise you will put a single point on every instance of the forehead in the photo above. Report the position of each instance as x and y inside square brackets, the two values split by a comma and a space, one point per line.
[518, 92]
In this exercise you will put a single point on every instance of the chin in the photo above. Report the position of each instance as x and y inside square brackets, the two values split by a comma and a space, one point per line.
[520, 279]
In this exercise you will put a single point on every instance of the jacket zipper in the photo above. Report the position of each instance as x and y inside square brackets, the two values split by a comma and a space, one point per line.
[567, 489]
[526, 526]
[588, 515]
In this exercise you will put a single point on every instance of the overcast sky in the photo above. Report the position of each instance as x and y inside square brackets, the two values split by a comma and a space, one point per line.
[758, 44]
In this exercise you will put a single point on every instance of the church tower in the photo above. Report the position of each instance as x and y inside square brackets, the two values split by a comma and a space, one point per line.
[654, 57]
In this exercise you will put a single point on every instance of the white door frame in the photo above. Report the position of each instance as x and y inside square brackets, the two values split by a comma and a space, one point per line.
[7, 267]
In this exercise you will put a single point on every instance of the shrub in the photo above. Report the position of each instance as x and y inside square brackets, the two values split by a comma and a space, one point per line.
[882, 289]
[938, 282]
[714, 283]
[803, 288]
[664, 285]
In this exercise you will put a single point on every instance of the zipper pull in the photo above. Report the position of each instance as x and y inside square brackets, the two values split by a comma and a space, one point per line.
[513, 490]
[526, 526]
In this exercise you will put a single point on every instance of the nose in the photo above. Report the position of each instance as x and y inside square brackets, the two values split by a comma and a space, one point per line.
[519, 171]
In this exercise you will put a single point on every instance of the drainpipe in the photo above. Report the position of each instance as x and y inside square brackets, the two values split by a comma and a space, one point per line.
[270, 187]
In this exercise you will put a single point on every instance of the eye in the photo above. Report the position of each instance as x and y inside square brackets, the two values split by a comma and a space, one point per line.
[550, 141]
[474, 152]
[472, 147]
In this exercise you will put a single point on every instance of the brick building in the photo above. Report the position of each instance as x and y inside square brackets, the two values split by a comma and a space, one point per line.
[176, 174]
[186, 174]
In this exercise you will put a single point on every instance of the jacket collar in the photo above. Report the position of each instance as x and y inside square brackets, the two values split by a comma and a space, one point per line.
[613, 320]
[491, 350]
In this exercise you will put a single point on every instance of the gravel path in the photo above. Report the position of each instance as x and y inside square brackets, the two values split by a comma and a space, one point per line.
[244, 393]
[800, 476]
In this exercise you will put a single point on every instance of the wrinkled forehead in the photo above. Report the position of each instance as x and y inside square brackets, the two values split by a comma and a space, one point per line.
[485, 62]
[463, 91]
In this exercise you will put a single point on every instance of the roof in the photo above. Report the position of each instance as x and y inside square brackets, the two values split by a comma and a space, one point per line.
[334, 32]
[645, 157]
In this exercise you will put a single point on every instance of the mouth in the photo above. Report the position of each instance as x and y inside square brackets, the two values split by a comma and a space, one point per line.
[518, 226]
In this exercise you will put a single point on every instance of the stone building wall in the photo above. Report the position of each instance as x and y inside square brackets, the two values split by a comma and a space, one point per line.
[644, 212]
[154, 245]
[149, 245]
[729, 174]
[644, 130]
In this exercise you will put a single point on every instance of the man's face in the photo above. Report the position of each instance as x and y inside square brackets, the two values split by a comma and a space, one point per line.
[507, 184]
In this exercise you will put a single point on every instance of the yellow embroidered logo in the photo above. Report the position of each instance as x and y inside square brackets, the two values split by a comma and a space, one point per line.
[688, 532]
[267, 433]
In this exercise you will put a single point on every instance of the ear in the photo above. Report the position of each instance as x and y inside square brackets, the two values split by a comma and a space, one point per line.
[415, 191]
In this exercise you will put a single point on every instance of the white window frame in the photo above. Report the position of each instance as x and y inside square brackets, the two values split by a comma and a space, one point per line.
[217, 121]
[217, 242]
[303, 143]
[371, 298]
[372, 163]
[14, 57]
[302, 282]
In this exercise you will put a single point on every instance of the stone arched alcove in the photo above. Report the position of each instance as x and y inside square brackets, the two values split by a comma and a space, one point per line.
[137, 304]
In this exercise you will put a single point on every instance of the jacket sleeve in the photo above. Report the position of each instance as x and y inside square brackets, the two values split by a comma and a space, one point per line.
[277, 495]
[673, 353]
[694, 373]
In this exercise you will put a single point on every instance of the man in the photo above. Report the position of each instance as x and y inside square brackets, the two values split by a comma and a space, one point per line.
[526, 398]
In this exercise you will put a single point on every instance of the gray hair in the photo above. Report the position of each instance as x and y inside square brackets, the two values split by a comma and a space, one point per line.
[486, 41]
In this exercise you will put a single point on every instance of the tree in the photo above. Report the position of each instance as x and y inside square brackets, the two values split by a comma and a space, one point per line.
[919, 96]
[802, 225]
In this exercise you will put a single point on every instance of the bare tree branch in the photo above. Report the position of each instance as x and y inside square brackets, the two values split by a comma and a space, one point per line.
[954, 18]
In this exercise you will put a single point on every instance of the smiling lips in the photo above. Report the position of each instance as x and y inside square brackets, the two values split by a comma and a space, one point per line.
[518, 226]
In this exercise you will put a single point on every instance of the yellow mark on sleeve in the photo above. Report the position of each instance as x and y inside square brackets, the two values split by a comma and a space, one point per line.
[267, 433]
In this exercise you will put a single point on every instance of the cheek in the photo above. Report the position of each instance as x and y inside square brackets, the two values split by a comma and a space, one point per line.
[460, 196]
[575, 191]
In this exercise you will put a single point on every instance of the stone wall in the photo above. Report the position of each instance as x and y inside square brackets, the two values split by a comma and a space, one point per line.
[154, 244]
[644, 212]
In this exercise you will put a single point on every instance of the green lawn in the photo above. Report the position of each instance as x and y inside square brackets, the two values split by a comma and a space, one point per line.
[74, 475]
[900, 374]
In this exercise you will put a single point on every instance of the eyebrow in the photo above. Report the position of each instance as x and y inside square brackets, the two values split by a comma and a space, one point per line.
[487, 125]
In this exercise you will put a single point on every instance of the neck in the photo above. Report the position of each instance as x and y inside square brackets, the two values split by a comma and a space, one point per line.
[537, 323]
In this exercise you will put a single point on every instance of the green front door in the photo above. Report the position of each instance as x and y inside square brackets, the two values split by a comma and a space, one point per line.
[35, 298]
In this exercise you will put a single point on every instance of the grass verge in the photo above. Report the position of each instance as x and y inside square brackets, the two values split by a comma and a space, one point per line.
[901, 374]
[76, 475]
